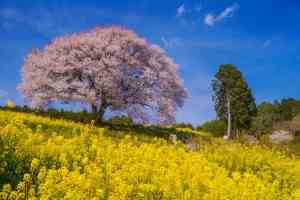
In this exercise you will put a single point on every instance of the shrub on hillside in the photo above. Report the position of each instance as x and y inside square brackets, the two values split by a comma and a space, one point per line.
[295, 125]
[183, 125]
[120, 120]
[215, 127]
[9, 104]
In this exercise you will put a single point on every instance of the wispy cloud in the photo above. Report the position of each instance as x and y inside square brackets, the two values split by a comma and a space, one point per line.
[267, 43]
[180, 10]
[212, 19]
[170, 42]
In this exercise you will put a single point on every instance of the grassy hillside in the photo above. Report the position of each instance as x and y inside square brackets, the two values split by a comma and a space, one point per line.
[43, 158]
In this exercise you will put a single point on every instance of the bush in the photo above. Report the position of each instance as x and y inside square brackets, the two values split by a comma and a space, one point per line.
[120, 120]
[216, 127]
[9, 104]
[295, 124]
[183, 125]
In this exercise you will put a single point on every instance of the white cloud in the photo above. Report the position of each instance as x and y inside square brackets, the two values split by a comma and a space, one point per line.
[180, 10]
[267, 43]
[211, 19]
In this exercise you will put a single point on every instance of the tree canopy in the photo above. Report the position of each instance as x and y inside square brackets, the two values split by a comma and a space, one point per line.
[110, 68]
[233, 98]
[274, 115]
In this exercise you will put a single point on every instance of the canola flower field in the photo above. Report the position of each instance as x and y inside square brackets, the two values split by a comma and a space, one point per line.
[43, 158]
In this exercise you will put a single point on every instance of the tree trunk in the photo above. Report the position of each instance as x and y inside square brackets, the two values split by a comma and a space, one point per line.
[94, 111]
[228, 119]
[98, 113]
[101, 113]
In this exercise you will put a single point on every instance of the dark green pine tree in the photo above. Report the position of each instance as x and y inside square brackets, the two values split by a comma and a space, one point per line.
[233, 99]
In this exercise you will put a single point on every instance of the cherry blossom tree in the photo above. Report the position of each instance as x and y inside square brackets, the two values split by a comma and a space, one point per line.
[110, 68]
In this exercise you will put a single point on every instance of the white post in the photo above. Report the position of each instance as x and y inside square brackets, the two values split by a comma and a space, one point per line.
[228, 119]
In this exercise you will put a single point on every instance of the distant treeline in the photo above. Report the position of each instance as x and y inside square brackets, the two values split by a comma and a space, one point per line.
[280, 114]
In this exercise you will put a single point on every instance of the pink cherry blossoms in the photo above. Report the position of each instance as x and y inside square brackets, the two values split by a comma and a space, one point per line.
[110, 68]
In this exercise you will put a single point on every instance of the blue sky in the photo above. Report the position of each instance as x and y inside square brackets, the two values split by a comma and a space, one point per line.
[260, 37]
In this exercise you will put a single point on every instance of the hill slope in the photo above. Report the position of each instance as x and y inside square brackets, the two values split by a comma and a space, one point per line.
[42, 158]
